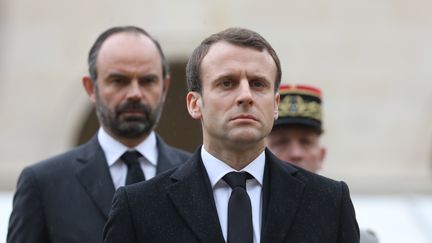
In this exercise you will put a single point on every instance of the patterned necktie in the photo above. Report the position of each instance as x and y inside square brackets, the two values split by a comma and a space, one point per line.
[240, 228]
[134, 173]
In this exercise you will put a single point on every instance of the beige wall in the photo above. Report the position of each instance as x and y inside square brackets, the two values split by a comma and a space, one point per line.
[371, 58]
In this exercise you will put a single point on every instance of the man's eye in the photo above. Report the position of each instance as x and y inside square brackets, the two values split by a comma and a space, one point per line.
[279, 142]
[226, 83]
[118, 81]
[258, 84]
[306, 142]
[148, 80]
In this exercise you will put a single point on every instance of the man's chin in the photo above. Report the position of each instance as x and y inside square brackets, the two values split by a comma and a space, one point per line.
[132, 134]
[133, 129]
[133, 117]
[246, 137]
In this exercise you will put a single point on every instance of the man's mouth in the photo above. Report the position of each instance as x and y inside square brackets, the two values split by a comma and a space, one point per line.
[245, 117]
[132, 112]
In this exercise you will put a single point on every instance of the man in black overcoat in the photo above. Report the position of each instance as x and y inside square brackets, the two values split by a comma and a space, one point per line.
[233, 189]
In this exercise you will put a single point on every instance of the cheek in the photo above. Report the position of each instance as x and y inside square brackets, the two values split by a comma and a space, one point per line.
[314, 153]
[270, 112]
[112, 99]
[213, 107]
[280, 148]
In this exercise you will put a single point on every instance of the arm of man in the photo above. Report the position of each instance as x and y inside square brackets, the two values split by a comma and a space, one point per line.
[27, 220]
[349, 230]
[119, 227]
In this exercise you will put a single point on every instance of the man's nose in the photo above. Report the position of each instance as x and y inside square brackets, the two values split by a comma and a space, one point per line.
[245, 93]
[295, 153]
[134, 91]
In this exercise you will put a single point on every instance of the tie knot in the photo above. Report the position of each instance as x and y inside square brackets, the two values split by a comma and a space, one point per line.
[236, 179]
[131, 157]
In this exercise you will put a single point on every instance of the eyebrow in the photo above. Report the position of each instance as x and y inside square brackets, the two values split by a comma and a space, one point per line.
[116, 75]
[121, 75]
[259, 76]
[225, 75]
[231, 75]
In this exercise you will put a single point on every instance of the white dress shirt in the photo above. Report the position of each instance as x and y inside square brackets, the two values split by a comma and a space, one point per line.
[113, 150]
[216, 169]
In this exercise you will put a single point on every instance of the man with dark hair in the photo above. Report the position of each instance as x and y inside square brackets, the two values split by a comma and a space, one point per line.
[66, 199]
[295, 137]
[235, 36]
[233, 189]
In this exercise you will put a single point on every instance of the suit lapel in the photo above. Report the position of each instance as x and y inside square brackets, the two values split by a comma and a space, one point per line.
[93, 173]
[192, 196]
[282, 195]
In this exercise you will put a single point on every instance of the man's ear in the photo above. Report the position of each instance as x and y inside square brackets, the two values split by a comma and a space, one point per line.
[194, 104]
[276, 107]
[89, 87]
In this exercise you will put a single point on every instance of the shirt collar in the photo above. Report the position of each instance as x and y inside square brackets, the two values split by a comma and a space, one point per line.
[216, 169]
[113, 149]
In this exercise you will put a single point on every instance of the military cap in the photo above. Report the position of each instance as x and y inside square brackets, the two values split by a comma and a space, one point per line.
[300, 105]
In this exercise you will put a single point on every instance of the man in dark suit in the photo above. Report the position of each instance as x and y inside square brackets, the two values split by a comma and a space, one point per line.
[66, 199]
[233, 189]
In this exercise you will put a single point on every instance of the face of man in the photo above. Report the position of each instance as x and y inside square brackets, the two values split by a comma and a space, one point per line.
[237, 104]
[130, 90]
[298, 145]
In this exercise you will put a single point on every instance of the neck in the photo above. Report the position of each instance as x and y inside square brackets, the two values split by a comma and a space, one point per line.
[235, 156]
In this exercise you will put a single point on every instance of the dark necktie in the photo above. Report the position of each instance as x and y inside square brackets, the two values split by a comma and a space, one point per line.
[240, 228]
[134, 173]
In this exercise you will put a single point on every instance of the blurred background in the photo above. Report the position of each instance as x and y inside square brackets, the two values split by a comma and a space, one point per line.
[372, 60]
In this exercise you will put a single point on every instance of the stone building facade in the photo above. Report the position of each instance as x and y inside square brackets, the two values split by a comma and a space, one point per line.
[372, 59]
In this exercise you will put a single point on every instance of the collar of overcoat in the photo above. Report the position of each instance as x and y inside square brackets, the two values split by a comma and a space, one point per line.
[192, 196]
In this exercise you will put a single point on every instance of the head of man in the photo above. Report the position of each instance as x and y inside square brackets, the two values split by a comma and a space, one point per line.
[128, 81]
[233, 78]
[295, 137]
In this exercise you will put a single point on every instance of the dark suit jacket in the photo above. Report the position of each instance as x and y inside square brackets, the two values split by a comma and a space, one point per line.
[178, 206]
[66, 199]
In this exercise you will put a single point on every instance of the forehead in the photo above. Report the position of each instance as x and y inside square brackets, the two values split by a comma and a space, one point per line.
[128, 49]
[226, 58]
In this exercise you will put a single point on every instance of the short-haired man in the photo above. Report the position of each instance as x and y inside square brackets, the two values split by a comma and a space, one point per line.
[296, 133]
[233, 189]
[66, 199]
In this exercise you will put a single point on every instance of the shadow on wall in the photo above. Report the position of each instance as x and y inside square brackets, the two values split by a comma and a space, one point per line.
[176, 127]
